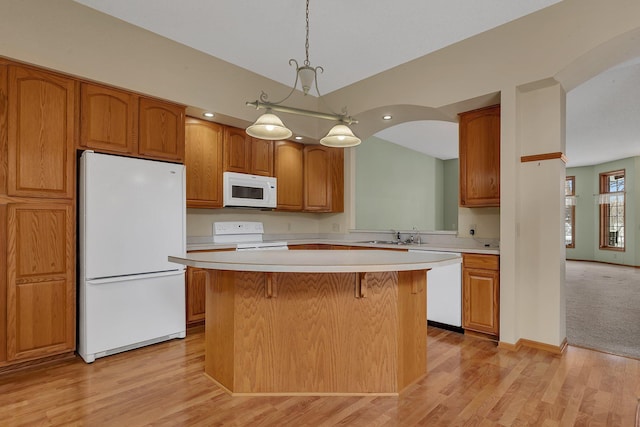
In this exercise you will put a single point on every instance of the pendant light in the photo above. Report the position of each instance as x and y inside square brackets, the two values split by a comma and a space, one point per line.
[269, 126]
[340, 136]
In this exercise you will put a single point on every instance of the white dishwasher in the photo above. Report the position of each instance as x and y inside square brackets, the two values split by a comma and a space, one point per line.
[444, 292]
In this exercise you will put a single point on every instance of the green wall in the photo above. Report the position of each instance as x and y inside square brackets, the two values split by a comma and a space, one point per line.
[398, 188]
[587, 213]
[450, 196]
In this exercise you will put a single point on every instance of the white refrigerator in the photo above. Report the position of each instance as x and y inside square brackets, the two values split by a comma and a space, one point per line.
[132, 216]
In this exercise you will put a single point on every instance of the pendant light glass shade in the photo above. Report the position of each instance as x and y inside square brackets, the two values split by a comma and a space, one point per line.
[269, 126]
[307, 76]
[340, 136]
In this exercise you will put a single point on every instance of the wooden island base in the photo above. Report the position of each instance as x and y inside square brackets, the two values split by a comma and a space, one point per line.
[315, 333]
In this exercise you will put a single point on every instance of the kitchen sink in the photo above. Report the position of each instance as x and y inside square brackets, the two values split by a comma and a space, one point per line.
[385, 242]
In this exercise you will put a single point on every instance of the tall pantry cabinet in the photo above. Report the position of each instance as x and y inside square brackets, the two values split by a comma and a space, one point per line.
[37, 213]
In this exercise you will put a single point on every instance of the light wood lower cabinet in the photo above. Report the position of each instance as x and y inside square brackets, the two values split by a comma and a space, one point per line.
[196, 290]
[40, 279]
[481, 293]
[307, 333]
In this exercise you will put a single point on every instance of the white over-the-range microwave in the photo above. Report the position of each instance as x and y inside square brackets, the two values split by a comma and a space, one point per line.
[249, 191]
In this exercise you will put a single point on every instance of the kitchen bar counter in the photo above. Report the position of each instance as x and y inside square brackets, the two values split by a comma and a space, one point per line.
[315, 322]
[313, 261]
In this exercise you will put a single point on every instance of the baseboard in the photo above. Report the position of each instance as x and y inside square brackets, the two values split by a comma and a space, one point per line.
[603, 262]
[481, 335]
[555, 349]
[451, 328]
[10, 367]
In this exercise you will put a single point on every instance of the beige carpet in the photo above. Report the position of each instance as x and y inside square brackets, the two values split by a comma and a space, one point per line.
[603, 307]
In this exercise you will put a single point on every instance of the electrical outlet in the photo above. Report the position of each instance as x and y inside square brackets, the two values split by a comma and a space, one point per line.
[472, 229]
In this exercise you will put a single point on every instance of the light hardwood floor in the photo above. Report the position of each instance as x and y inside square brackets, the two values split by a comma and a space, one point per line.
[469, 382]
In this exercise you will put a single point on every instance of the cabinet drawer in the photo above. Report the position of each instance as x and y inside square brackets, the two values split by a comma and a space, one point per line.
[486, 262]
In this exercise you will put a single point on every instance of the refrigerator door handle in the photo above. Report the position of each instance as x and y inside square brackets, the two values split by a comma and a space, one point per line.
[106, 280]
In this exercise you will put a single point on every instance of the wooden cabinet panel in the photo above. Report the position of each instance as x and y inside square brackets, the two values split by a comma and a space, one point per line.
[480, 157]
[4, 101]
[481, 294]
[323, 179]
[261, 157]
[107, 119]
[3, 282]
[40, 279]
[237, 150]
[41, 134]
[288, 170]
[196, 294]
[244, 154]
[203, 162]
[161, 130]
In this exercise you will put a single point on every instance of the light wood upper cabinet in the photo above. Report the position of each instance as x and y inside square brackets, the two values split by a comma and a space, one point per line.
[244, 154]
[40, 279]
[108, 119]
[41, 134]
[480, 157]
[323, 179]
[161, 130]
[237, 150]
[261, 157]
[288, 170]
[203, 162]
[481, 293]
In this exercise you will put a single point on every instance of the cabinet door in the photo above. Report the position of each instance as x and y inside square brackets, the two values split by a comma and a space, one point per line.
[237, 150]
[40, 279]
[323, 179]
[480, 157]
[107, 119]
[288, 171]
[203, 162]
[317, 191]
[161, 130]
[196, 294]
[481, 303]
[41, 138]
[261, 157]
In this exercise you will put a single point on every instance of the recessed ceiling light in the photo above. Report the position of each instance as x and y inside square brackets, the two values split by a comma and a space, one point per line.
[208, 114]
[387, 117]
[298, 138]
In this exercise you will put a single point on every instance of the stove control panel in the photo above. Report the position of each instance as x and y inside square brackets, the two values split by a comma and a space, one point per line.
[238, 227]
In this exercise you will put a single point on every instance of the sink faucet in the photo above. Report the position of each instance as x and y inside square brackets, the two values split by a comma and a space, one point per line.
[415, 236]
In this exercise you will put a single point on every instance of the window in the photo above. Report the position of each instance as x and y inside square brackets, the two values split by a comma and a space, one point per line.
[611, 202]
[570, 212]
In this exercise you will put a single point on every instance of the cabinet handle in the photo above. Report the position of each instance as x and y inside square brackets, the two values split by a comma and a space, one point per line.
[361, 285]
[269, 287]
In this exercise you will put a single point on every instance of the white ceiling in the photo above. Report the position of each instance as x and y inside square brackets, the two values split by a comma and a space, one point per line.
[356, 39]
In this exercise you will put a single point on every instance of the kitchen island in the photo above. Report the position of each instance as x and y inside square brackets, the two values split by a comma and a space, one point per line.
[315, 322]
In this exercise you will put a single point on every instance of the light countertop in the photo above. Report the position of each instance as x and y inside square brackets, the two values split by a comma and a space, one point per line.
[441, 247]
[317, 261]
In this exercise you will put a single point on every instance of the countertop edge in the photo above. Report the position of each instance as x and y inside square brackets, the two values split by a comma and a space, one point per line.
[305, 267]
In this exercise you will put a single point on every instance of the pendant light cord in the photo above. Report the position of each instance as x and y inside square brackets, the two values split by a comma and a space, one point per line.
[306, 43]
